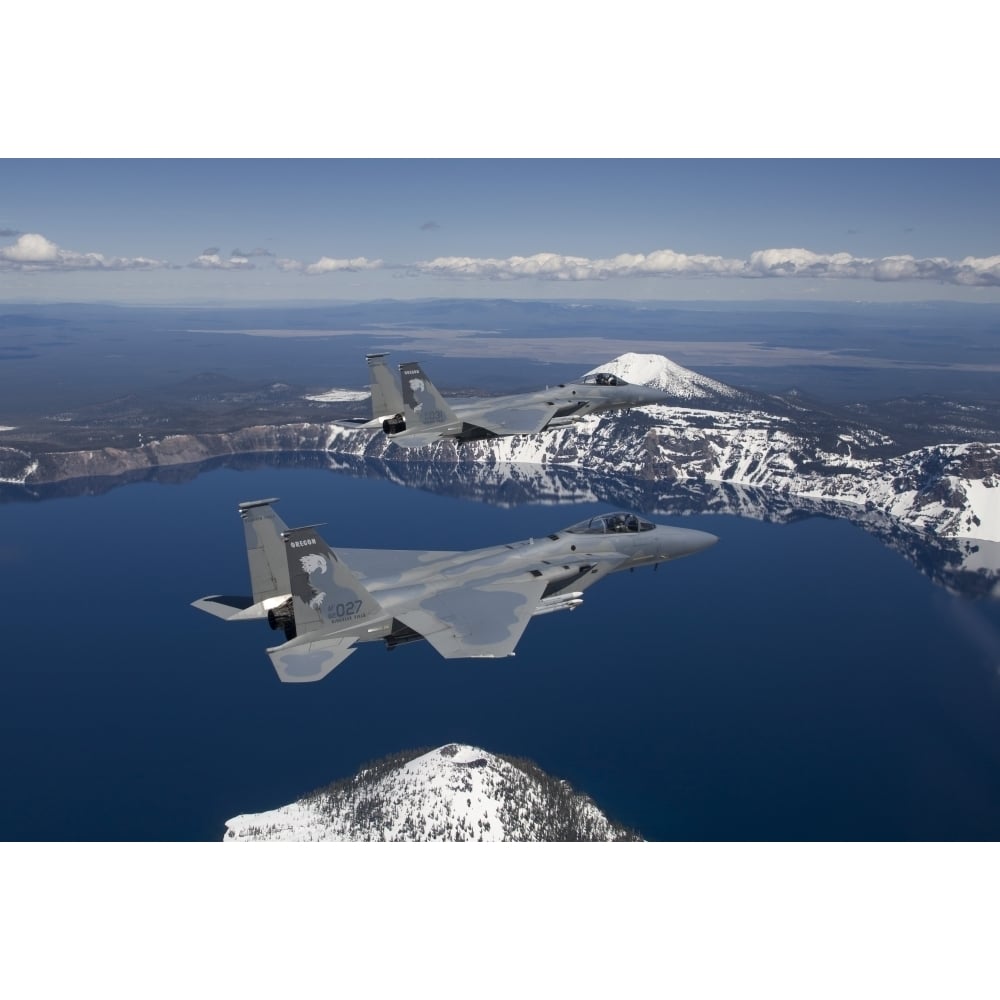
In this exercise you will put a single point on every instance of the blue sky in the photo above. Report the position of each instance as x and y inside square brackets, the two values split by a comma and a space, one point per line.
[242, 230]
[443, 80]
[248, 230]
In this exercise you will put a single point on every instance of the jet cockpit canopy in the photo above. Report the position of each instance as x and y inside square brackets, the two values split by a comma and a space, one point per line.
[602, 378]
[605, 524]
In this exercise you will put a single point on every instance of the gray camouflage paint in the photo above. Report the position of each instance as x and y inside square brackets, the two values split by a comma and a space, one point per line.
[429, 416]
[386, 400]
[265, 550]
[465, 604]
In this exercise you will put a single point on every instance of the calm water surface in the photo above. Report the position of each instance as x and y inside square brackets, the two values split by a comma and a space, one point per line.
[794, 682]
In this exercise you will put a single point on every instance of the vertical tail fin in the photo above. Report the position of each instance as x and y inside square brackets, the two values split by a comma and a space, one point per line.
[330, 606]
[325, 592]
[423, 406]
[268, 569]
[386, 400]
[265, 549]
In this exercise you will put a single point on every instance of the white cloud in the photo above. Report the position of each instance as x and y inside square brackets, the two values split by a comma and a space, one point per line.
[901, 267]
[327, 265]
[31, 248]
[552, 266]
[797, 262]
[211, 260]
[978, 271]
[776, 263]
[33, 252]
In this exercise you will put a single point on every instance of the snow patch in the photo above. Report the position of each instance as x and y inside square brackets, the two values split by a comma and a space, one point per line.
[339, 396]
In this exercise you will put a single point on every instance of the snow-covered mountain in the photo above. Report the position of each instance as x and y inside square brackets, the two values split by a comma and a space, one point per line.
[661, 373]
[454, 793]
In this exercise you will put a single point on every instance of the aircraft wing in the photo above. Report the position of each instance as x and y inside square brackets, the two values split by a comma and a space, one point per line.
[486, 619]
[510, 418]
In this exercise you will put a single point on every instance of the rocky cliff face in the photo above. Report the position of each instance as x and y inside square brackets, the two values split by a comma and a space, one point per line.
[453, 793]
[21, 467]
[704, 432]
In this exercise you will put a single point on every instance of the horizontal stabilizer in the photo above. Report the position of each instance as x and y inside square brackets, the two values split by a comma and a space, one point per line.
[357, 423]
[230, 608]
[416, 440]
[302, 662]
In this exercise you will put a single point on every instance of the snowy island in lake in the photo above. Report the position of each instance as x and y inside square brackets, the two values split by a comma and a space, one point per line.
[454, 793]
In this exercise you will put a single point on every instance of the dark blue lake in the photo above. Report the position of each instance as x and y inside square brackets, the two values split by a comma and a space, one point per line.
[796, 681]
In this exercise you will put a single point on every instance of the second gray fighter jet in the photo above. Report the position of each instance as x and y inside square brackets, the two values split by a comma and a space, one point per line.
[419, 415]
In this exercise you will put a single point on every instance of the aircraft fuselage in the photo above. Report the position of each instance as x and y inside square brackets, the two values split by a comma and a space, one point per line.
[465, 604]
[568, 561]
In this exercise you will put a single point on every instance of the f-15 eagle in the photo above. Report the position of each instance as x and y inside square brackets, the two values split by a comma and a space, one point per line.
[475, 603]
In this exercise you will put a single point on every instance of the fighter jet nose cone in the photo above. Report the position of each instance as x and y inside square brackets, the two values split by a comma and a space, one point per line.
[652, 395]
[677, 542]
[701, 540]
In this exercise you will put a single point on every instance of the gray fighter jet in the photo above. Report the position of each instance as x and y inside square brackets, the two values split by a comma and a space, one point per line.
[419, 415]
[465, 604]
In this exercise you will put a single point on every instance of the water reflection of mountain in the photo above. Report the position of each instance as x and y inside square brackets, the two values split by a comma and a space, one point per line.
[965, 566]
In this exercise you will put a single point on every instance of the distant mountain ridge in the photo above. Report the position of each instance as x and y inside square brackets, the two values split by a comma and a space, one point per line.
[454, 793]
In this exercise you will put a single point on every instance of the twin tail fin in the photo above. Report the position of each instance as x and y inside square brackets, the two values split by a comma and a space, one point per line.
[330, 607]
